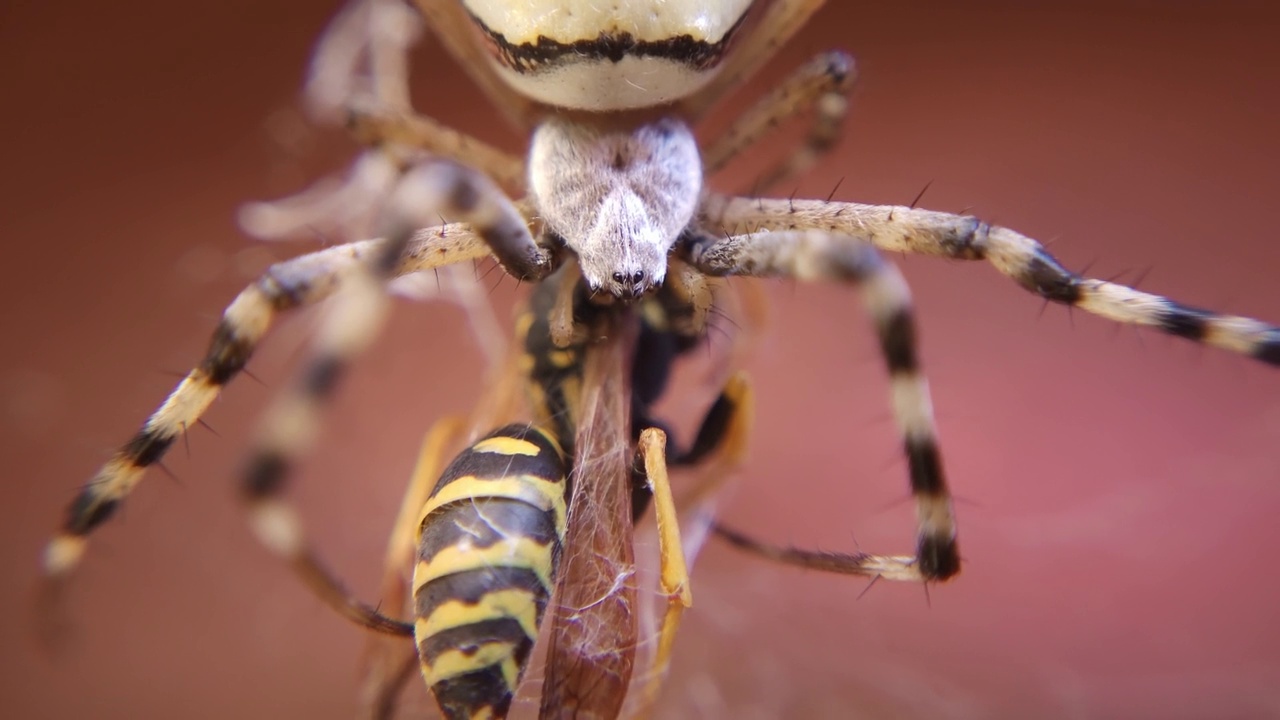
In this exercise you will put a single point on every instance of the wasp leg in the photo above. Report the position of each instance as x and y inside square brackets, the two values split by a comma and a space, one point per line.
[818, 255]
[385, 674]
[723, 435]
[402, 545]
[381, 700]
[292, 423]
[674, 573]
[750, 249]
[822, 84]
[452, 25]
[782, 19]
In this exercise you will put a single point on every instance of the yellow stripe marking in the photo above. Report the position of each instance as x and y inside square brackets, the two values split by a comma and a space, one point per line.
[538, 400]
[523, 323]
[514, 553]
[571, 389]
[562, 358]
[453, 663]
[545, 495]
[518, 604]
[506, 446]
[655, 316]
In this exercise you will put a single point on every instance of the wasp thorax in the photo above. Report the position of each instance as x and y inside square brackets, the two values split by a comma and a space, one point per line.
[619, 199]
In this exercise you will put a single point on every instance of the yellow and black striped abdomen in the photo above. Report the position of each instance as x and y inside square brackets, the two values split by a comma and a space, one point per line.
[489, 542]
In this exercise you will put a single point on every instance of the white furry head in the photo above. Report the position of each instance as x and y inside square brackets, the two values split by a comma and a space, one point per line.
[619, 199]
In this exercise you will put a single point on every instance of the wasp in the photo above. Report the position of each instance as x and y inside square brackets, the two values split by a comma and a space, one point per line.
[612, 187]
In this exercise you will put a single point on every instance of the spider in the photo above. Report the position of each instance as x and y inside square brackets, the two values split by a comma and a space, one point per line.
[718, 236]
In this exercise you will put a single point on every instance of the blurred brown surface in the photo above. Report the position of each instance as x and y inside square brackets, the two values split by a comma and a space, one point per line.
[1119, 490]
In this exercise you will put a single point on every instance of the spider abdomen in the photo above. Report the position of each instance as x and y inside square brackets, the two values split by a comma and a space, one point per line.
[489, 544]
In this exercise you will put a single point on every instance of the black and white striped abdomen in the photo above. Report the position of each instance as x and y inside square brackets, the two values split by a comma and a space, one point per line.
[489, 543]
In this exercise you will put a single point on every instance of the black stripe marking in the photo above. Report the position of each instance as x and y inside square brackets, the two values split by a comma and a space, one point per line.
[511, 244]
[322, 376]
[146, 447]
[939, 558]
[546, 465]
[465, 195]
[711, 433]
[283, 296]
[898, 342]
[463, 697]
[1268, 351]
[1048, 279]
[470, 588]
[388, 256]
[227, 355]
[469, 638]
[526, 58]
[88, 511]
[925, 463]
[483, 522]
[266, 475]
[1186, 322]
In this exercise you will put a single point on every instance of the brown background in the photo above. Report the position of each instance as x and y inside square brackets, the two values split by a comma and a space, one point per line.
[1119, 490]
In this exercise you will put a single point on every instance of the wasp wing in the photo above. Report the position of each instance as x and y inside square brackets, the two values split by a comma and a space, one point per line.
[591, 651]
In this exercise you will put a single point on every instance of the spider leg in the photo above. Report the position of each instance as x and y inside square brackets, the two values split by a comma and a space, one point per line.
[290, 427]
[345, 207]
[1022, 259]
[361, 59]
[362, 56]
[299, 282]
[818, 255]
[903, 568]
[407, 129]
[781, 21]
[449, 21]
[822, 84]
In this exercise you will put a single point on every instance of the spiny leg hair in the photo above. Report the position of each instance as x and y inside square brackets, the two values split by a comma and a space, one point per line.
[294, 283]
[741, 225]
[298, 282]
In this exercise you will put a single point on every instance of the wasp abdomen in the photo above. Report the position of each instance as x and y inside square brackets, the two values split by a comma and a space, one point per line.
[489, 543]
